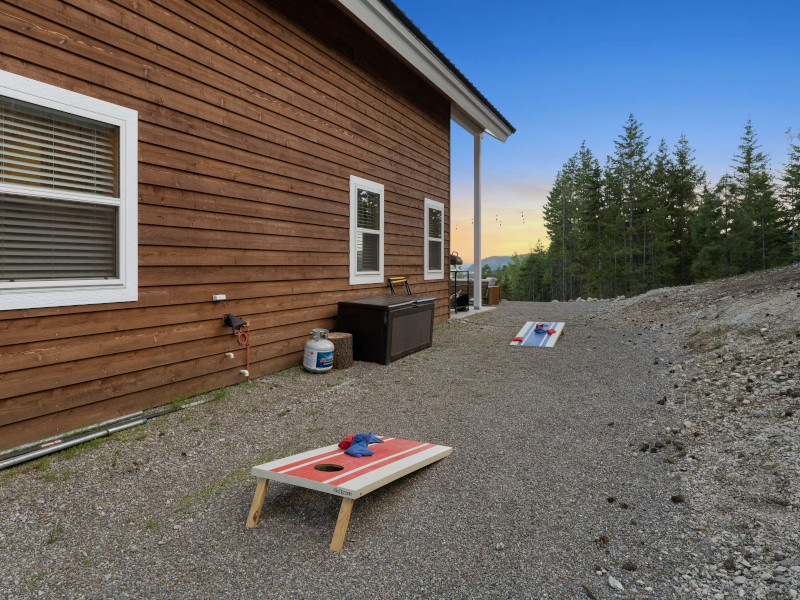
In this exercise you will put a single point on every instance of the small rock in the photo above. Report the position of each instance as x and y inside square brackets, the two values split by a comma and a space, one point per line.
[614, 583]
[499, 546]
[729, 564]
[740, 580]
[590, 592]
[677, 498]
[663, 401]
[628, 565]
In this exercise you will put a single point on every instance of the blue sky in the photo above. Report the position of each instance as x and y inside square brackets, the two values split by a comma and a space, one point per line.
[565, 72]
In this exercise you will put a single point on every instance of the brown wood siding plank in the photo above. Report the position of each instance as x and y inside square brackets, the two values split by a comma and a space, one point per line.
[49, 352]
[154, 91]
[69, 373]
[402, 92]
[298, 57]
[187, 38]
[70, 396]
[203, 64]
[250, 126]
[47, 425]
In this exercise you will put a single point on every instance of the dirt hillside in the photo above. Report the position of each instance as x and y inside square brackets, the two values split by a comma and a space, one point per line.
[736, 390]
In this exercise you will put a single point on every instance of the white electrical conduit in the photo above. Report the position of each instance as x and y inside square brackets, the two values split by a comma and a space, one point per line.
[61, 436]
[54, 443]
[10, 462]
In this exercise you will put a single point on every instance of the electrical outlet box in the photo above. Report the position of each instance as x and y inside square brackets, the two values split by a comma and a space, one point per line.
[219, 297]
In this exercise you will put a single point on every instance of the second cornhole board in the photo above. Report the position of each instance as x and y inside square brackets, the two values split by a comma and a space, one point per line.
[539, 340]
[332, 471]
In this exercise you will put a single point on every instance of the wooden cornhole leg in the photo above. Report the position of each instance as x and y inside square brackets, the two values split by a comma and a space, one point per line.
[258, 502]
[341, 524]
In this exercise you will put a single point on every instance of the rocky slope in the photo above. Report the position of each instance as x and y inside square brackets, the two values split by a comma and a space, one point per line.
[736, 391]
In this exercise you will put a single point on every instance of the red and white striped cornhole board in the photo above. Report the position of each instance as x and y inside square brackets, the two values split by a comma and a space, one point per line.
[332, 471]
[527, 336]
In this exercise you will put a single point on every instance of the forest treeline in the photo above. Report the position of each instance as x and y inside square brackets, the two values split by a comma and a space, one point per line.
[651, 219]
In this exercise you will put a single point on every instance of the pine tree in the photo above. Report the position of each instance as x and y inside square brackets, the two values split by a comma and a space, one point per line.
[686, 177]
[627, 175]
[589, 214]
[791, 193]
[759, 222]
[559, 213]
[662, 259]
[710, 229]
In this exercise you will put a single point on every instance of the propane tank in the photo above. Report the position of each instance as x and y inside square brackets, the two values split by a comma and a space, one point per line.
[318, 357]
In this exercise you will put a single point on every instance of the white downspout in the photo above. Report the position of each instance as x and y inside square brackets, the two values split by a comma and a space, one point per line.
[477, 227]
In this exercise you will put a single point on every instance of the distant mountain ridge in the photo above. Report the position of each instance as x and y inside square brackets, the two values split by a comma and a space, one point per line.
[494, 262]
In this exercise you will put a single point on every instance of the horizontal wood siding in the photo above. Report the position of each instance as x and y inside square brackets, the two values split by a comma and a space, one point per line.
[252, 118]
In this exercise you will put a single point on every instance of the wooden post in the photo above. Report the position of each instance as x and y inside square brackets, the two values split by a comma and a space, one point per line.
[342, 349]
[341, 524]
[258, 502]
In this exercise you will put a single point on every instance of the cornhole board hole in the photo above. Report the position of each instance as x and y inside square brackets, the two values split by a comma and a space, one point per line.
[528, 337]
[332, 471]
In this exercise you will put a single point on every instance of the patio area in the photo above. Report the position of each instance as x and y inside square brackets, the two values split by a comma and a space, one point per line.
[544, 489]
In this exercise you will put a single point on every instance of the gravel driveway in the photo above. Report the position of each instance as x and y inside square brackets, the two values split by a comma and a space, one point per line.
[546, 494]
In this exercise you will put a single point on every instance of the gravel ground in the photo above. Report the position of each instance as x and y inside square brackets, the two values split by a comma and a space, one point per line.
[548, 493]
[736, 389]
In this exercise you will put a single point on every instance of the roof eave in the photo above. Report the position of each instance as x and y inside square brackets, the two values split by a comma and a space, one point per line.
[467, 108]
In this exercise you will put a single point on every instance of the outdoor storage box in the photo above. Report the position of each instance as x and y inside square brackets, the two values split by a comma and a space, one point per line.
[387, 327]
[494, 295]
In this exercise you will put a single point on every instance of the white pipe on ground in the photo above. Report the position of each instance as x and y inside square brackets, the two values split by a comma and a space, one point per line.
[66, 434]
[10, 462]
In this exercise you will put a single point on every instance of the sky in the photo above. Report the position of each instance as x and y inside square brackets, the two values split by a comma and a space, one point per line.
[564, 72]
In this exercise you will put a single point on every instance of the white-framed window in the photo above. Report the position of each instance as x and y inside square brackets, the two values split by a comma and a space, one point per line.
[68, 197]
[366, 231]
[434, 239]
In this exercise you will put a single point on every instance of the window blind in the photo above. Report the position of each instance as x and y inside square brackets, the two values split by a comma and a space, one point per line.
[369, 210]
[367, 246]
[434, 255]
[45, 239]
[434, 223]
[434, 239]
[46, 148]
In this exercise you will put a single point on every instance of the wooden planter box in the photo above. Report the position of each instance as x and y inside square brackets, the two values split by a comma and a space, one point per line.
[387, 327]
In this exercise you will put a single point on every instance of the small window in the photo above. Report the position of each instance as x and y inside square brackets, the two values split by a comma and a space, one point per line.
[68, 172]
[366, 231]
[434, 239]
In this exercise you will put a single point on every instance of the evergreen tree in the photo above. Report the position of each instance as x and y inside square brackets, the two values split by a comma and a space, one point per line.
[791, 193]
[710, 229]
[661, 261]
[759, 224]
[559, 213]
[686, 177]
[627, 176]
[590, 212]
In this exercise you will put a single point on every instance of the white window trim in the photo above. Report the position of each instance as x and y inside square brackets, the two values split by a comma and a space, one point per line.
[433, 274]
[41, 294]
[363, 277]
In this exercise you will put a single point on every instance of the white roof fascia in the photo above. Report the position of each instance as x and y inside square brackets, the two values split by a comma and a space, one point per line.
[466, 108]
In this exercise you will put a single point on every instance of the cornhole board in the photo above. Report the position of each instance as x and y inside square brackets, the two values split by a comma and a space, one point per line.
[531, 338]
[332, 471]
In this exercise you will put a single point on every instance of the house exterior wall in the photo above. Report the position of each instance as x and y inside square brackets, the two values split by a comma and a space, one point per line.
[252, 118]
